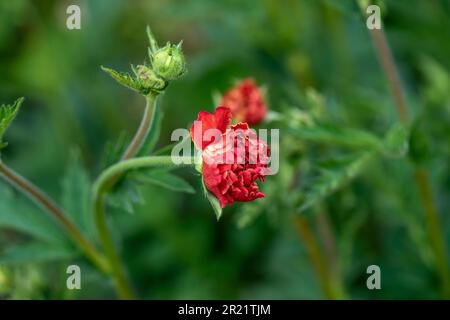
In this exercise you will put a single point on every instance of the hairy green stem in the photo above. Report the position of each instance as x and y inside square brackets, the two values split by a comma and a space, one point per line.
[122, 284]
[325, 262]
[44, 201]
[434, 229]
[141, 134]
[330, 252]
[421, 177]
[387, 62]
[144, 128]
[100, 190]
[317, 258]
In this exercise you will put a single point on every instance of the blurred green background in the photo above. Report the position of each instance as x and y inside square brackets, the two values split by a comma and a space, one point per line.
[172, 244]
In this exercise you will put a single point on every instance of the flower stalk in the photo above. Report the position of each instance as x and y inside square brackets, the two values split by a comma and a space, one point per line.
[150, 80]
[100, 189]
[144, 127]
[106, 181]
[327, 282]
[421, 176]
[45, 202]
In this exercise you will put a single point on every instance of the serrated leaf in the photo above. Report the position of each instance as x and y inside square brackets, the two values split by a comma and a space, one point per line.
[123, 78]
[336, 136]
[76, 195]
[7, 115]
[332, 177]
[36, 252]
[215, 204]
[125, 195]
[396, 143]
[17, 214]
[121, 202]
[152, 41]
[248, 214]
[165, 179]
[114, 151]
[438, 81]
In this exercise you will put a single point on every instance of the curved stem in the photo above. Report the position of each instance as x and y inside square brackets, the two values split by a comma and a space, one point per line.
[108, 179]
[44, 201]
[100, 189]
[121, 282]
[141, 133]
[144, 128]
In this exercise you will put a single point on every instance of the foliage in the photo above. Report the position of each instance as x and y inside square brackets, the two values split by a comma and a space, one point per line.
[7, 115]
[344, 156]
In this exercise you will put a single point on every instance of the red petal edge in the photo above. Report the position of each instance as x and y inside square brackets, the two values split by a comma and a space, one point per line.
[220, 120]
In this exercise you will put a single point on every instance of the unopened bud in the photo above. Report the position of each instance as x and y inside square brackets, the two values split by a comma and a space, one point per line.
[169, 62]
[148, 79]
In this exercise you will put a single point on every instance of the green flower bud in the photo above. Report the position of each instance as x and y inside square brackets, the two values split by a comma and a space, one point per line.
[8, 113]
[169, 62]
[149, 80]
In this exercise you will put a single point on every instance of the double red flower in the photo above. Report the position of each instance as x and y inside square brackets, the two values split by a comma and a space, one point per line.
[234, 158]
[246, 102]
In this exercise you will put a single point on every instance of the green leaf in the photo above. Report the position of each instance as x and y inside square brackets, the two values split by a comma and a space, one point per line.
[336, 136]
[249, 213]
[18, 214]
[7, 115]
[215, 204]
[152, 41]
[396, 142]
[419, 144]
[333, 176]
[114, 150]
[125, 195]
[165, 179]
[438, 81]
[76, 194]
[36, 252]
[124, 79]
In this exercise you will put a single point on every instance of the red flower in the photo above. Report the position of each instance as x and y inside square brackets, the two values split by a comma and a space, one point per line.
[246, 102]
[220, 121]
[234, 160]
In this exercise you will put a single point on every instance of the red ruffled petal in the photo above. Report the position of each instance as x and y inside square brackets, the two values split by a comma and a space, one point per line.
[235, 181]
[246, 102]
[219, 120]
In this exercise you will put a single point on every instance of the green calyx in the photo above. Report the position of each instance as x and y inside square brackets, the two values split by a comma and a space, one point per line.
[7, 114]
[166, 63]
[144, 81]
[148, 80]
